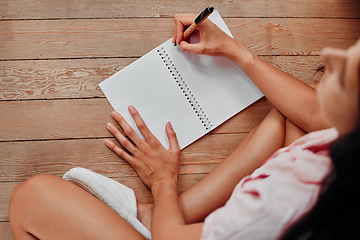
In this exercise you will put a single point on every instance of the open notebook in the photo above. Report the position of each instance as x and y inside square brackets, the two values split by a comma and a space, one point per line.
[196, 93]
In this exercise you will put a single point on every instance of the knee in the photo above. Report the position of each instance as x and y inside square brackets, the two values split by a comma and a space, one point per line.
[27, 193]
[31, 186]
[293, 132]
[276, 117]
[25, 199]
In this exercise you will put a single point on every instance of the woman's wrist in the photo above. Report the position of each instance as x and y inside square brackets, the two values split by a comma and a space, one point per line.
[239, 54]
[159, 187]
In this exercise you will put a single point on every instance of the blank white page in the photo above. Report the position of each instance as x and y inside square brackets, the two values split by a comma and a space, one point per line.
[220, 86]
[149, 87]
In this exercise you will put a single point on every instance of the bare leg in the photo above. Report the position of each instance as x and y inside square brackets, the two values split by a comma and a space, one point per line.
[44, 205]
[48, 207]
[293, 132]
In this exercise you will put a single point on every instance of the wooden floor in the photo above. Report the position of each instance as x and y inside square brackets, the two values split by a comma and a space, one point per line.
[53, 55]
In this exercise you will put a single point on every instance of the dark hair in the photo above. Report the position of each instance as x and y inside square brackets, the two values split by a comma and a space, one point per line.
[336, 214]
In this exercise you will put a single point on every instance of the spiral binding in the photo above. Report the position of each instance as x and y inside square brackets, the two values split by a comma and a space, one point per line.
[185, 89]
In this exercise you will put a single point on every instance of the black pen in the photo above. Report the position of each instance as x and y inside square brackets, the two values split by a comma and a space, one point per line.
[202, 16]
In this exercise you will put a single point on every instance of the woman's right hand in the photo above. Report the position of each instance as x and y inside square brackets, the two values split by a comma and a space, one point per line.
[213, 41]
[154, 164]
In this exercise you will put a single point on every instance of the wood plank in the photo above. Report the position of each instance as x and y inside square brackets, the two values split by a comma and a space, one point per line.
[6, 189]
[5, 231]
[52, 79]
[79, 78]
[79, 38]
[58, 119]
[20, 9]
[35, 126]
[21, 160]
[86, 118]
[141, 191]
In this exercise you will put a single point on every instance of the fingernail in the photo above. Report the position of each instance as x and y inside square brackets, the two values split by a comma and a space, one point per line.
[170, 126]
[107, 141]
[116, 115]
[109, 125]
[131, 109]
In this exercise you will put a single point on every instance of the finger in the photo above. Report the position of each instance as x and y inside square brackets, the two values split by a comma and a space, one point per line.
[129, 131]
[123, 154]
[137, 165]
[194, 47]
[179, 32]
[180, 22]
[173, 142]
[141, 125]
[174, 30]
[121, 138]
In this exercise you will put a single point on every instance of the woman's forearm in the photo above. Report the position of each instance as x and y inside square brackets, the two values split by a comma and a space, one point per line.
[166, 207]
[168, 221]
[292, 97]
[215, 189]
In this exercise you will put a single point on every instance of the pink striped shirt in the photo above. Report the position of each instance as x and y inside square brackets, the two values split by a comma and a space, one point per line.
[264, 204]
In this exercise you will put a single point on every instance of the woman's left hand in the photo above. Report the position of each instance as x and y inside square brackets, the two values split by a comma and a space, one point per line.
[154, 163]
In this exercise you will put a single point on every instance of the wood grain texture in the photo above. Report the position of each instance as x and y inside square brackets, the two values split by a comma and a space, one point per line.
[52, 79]
[6, 189]
[35, 9]
[21, 160]
[5, 231]
[80, 38]
[54, 52]
[79, 78]
[86, 118]
[59, 119]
